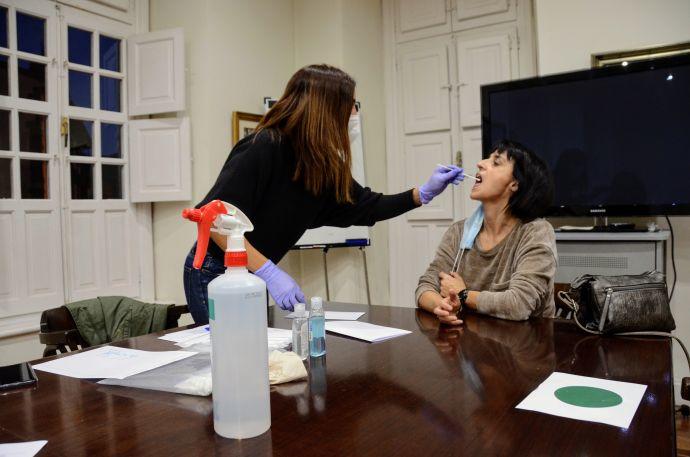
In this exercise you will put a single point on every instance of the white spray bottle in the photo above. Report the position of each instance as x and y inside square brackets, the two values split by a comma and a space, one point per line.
[237, 314]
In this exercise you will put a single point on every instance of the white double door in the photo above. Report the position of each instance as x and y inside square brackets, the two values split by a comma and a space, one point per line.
[438, 111]
[66, 221]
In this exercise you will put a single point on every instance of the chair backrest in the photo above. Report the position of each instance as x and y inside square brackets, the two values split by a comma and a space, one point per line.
[60, 334]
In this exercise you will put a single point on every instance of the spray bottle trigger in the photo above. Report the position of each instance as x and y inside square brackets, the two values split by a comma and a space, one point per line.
[204, 217]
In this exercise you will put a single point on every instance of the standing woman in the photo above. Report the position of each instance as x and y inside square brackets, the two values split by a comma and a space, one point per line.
[293, 174]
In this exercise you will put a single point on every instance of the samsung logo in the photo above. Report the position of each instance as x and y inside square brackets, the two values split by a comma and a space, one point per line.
[599, 210]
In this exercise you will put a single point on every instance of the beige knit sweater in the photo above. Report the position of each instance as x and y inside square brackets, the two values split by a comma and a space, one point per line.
[515, 278]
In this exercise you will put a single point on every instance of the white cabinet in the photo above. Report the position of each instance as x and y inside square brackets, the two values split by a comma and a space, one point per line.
[422, 153]
[483, 59]
[416, 19]
[469, 14]
[425, 85]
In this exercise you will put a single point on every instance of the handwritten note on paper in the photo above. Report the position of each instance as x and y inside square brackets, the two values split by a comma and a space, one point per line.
[110, 362]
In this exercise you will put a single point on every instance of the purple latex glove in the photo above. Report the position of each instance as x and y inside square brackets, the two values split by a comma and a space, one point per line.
[281, 286]
[440, 178]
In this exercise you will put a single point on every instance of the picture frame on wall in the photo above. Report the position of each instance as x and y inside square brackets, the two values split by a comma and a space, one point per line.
[243, 124]
[608, 59]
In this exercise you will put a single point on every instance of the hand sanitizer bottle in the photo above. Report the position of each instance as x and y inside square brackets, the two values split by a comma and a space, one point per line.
[317, 328]
[300, 332]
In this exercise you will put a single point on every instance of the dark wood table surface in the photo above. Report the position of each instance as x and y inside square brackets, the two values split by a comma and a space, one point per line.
[438, 391]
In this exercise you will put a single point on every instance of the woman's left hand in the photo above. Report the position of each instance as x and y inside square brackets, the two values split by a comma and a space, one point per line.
[452, 281]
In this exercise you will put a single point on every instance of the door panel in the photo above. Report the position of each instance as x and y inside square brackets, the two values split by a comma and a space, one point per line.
[30, 236]
[84, 258]
[421, 241]
[43, 257]
[8, 280]
[117, 240]
[420, 19]
[425, 86]
[472, 154]
[157, 79]
[422, 153]
[96, 155]
[468, 14]
[482, 60]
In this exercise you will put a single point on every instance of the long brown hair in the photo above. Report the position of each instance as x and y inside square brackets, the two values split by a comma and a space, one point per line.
[313, 114]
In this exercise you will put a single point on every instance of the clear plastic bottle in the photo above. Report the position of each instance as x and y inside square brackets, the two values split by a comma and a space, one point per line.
[300, 332]
[238, 321]
[241, 393]
[317, 328]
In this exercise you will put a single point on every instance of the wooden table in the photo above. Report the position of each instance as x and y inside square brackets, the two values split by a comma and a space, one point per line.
[438, 391]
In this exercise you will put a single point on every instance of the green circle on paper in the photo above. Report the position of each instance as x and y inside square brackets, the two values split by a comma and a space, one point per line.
[588, 397]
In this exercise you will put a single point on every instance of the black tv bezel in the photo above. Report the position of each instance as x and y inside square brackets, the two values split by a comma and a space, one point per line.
[583, 75]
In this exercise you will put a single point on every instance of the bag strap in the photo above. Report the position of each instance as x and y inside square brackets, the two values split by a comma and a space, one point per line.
[572, 304]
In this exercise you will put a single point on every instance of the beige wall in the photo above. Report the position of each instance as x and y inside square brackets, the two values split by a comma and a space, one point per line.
[568, 33]
[348, 34]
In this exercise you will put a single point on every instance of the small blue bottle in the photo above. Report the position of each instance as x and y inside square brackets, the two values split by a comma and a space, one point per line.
[317, 328]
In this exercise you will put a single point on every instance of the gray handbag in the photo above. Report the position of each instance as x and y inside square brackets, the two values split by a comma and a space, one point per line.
[620, 304]
[629, 305]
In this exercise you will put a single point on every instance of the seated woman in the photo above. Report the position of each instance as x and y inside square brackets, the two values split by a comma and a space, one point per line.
[502, 260]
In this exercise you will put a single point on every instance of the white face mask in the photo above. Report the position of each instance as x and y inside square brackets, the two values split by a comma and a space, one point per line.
[354, 128]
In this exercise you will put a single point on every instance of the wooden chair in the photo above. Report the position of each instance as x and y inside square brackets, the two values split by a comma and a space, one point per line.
[59, 331]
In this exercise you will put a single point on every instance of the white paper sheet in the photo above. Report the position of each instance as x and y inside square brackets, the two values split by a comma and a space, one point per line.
[364, 330]
[336, 315]
[543, 399]
[28, 449]
[184, 335]
[278, 338]
[110, 362]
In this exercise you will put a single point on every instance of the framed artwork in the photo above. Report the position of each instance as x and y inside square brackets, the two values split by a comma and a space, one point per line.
[623, 57]
[243, 124]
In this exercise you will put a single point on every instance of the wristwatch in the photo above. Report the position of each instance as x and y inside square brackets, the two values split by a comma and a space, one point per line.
[463, 298]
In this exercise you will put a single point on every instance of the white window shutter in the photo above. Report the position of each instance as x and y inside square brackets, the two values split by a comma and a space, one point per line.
[156, 72]
[160, 160]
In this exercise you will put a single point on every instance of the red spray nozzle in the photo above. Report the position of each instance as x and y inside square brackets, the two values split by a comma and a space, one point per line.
[192, 214]
[204, 217]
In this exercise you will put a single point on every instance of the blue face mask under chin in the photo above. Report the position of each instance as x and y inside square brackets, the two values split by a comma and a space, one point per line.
[473, 225]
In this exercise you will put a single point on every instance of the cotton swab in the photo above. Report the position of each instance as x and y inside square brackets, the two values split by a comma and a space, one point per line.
[465, 175]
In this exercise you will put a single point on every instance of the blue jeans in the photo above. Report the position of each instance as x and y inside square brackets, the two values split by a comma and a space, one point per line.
[196, 284]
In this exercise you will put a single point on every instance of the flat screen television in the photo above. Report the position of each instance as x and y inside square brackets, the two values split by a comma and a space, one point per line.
[617, 139]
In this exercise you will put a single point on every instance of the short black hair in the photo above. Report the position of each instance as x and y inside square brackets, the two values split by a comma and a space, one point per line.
[534, 195]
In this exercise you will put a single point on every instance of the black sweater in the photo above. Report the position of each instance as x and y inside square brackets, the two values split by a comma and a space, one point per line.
[257, 178]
